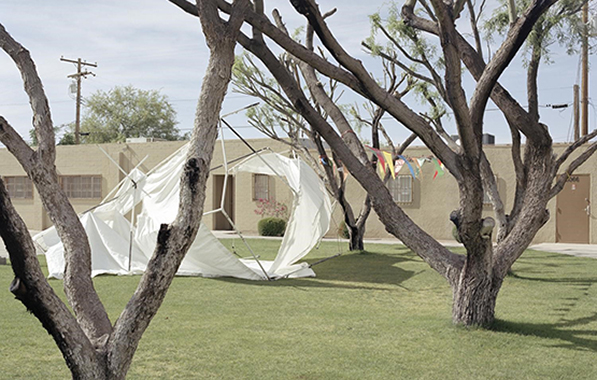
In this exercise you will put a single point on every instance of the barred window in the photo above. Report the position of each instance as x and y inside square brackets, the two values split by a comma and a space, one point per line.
[401, 188]
[83, 186]
[19, 187]
[486, 198]
[261, 189]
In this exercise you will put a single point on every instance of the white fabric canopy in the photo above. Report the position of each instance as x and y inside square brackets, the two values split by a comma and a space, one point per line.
[113, 239]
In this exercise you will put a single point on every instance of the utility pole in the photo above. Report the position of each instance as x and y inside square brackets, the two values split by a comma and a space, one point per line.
[584, 101]
[77, 76]
[576, 113]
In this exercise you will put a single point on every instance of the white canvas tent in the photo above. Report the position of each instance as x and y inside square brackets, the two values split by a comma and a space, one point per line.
[120, 246]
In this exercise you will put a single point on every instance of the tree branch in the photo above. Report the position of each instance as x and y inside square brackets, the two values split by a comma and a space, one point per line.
[42, 119]
[517, 34]
[175, 239]
[39, 166]
[476, 66]
[392, 105]
[572, 148]
[474, 27]
[562, 178]
[33, 290]
[470, 133]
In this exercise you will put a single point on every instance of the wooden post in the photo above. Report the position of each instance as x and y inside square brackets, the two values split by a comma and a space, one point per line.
[77, 76]
[584, 102]
[576, 113]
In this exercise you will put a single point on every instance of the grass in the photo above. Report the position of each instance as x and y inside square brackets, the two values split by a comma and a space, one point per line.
[382, 314]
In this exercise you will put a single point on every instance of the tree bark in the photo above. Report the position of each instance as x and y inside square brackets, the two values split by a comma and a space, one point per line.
[175, 239]
[91, 348]
[475, 294]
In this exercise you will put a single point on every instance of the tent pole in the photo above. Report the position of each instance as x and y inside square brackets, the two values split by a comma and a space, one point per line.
[222, 210]
[119, 168]
[282, 178]
[246, 244]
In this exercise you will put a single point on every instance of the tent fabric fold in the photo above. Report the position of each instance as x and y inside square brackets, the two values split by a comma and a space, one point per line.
[120, 246]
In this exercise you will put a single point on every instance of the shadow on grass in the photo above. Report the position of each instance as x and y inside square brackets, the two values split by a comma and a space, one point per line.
[585, 282]
[567, 331]
[350, 271]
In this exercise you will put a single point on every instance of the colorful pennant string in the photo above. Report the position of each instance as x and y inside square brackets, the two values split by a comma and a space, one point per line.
[412, 171]
[390, 162]
[386, 161]
[439, 167]
[397, 166]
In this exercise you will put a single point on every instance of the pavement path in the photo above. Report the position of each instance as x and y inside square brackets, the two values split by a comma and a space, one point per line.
[580, 250]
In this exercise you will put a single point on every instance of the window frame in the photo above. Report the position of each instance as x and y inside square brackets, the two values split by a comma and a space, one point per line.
[74, 192]
[26, 193]
[398, 197]
[260, 187]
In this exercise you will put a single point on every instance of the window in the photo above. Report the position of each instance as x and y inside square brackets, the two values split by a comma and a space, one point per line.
[261, 189]
[401, 189]
[19, 187]
[486, 199]
[83, 186]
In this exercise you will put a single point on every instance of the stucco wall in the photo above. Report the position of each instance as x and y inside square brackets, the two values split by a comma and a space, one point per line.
[433, 199]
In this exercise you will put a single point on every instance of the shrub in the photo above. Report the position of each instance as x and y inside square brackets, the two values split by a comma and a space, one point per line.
[271, 227]
[343, 230]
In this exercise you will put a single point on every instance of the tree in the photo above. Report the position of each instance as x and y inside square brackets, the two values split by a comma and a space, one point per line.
[125, 112]
[475, 278]
[279, 113]
[67, 139]
[92, 346]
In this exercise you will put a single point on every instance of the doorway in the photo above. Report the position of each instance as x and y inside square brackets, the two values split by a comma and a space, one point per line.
[573, 210]
[221, 223]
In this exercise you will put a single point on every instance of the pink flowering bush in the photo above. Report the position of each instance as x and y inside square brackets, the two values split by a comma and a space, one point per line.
[271, 208]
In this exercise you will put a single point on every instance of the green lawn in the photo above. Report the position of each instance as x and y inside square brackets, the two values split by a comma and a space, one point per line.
[379, 315]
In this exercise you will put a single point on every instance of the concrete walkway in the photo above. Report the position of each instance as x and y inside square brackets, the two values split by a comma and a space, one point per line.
[580, 250]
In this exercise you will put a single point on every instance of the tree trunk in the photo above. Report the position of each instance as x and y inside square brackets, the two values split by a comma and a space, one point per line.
[474, 301]
[355, 235]
[475, 293]
[91, 348]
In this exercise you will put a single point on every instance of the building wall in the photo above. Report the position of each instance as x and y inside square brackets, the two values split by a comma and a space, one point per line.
[433, 199]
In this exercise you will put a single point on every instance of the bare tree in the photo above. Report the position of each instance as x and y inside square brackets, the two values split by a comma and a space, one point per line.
[92, 346]
[278, 113]
[476, 277]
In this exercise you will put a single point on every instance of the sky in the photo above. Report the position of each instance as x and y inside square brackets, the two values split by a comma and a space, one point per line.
[153, 45]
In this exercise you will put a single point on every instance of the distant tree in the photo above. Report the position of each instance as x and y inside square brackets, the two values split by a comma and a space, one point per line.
[67, 138]
[279, 114]
[125, 112]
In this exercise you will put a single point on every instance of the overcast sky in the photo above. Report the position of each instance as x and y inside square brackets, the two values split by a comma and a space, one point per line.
[151, 44]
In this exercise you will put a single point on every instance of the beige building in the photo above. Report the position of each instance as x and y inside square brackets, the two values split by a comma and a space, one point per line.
[89, 172]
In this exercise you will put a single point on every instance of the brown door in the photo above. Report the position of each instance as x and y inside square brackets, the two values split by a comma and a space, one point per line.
[220, 220]
[573, 209]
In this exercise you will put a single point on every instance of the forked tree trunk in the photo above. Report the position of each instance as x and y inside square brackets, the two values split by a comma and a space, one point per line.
[356, 235]
[94, 349]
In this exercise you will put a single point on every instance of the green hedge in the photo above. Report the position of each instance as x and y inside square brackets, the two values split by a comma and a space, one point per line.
[271, 227]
